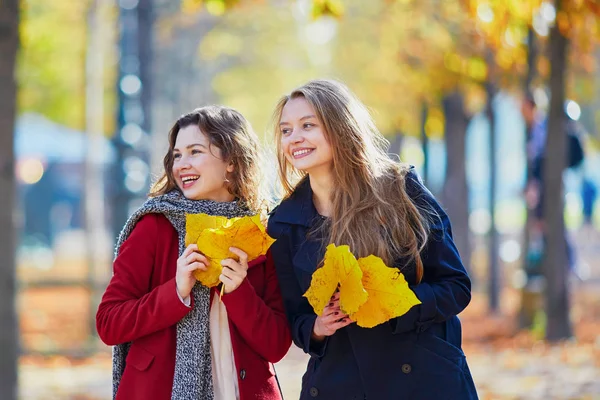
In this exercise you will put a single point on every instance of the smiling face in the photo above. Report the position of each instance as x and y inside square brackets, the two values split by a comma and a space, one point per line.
[303, 140]
[198, 169]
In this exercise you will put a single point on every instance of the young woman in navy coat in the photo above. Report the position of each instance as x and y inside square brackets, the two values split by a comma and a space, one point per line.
[351, 193]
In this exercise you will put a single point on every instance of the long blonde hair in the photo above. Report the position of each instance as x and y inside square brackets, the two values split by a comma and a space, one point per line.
[371, 212]
[229, 131]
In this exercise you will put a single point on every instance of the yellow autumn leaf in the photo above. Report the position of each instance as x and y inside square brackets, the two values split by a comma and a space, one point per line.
[352, 292]
[196, 223]
[340, 268]
[322, 285]
[388, 293]
[218, 234]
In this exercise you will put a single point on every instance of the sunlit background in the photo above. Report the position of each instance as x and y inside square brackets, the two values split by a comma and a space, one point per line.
[100, 82]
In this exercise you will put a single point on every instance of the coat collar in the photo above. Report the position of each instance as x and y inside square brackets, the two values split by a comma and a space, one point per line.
[298, 208]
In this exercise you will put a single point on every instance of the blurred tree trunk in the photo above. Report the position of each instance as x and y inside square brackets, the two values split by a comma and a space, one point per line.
[396, 144]
[494, 239]
[455, 194]
[529, 298]
[425, 141]
[136, 59]
[94, 127]
[554, 263]
[9, 43]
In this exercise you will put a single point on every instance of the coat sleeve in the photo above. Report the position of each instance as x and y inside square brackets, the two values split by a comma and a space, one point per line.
[300, 314]
[130, 308]
[261, 321]
[445, 289]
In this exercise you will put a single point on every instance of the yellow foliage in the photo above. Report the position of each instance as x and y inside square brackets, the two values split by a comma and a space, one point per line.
[388, 293]
[370, 292]
[196, 223]
[323, 285]
[334, 8]
[214, 235]
[51, 68]
[352, 292]
[340, 268]
[190, 6]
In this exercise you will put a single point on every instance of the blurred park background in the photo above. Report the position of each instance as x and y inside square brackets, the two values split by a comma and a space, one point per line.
[89, 89]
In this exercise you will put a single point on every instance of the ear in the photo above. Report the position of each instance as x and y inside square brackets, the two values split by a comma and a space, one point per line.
[230, 168]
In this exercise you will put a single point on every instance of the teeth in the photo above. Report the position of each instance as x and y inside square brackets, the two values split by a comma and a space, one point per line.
[189, 178]
[300, 152]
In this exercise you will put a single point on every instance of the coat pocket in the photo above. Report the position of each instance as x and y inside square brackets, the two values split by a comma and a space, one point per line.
[452, 355]
[139, 358]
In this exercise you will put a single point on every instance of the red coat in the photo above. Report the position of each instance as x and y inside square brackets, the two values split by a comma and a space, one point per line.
[141, 306]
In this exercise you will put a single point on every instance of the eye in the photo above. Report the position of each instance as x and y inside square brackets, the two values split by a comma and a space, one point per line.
[308, 125]
[286, 131]
[176, 156]
[196, 151]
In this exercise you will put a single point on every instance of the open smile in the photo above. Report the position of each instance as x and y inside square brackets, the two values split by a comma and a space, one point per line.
[300, 153]
[189, 180]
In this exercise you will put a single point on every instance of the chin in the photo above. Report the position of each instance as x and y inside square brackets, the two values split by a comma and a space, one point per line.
[191, 194]
[303, 166]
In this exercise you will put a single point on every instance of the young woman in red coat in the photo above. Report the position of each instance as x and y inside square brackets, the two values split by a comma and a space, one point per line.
[174, 338]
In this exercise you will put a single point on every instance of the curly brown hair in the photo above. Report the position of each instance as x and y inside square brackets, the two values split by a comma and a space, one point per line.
[231, 133]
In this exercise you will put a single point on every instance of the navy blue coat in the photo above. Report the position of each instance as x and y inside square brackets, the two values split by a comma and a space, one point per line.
[415, 356]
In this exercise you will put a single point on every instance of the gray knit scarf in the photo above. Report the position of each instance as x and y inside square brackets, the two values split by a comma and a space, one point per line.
[193, 363]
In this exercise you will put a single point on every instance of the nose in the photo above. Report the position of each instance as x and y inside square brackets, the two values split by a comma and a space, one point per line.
[296, 137]
[182, 163]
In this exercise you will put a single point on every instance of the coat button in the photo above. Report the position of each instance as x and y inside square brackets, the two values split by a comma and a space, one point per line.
[314, 392]
[243, 374]
[406, 368]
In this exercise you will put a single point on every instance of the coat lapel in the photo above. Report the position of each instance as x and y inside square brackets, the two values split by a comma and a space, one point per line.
[299, 213]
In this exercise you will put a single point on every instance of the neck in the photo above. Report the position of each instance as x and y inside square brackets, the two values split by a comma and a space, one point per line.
[222, 198]
[321, 185]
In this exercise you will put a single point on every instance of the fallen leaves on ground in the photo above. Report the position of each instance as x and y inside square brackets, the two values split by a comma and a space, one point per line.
[506, 364]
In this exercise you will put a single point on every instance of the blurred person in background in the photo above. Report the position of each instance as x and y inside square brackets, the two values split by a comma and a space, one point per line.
[589, 193]
[174, 338]
[536, 123]
[351, 193]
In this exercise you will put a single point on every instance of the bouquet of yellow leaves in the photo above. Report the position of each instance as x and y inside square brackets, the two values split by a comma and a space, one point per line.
[371, 293]
[214, 235]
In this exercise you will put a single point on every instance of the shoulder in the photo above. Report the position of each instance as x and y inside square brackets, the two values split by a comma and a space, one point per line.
[424, 200]
[295, 209]
[415, 188]
[152, 221]
[276, 224]
[151, 226]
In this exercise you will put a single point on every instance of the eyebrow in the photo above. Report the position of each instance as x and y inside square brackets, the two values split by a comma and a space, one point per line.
[301, 119]
[189, 146]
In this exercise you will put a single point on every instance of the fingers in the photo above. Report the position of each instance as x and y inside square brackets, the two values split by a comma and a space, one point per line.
[230, 283]
[241, 254]
[333, 305]
[330, 324]
[233, 271]
[233, 265]
[330, 319]
[195, 256]
[226, 280]
[341, 324]
[197, 265]
[188, 250]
